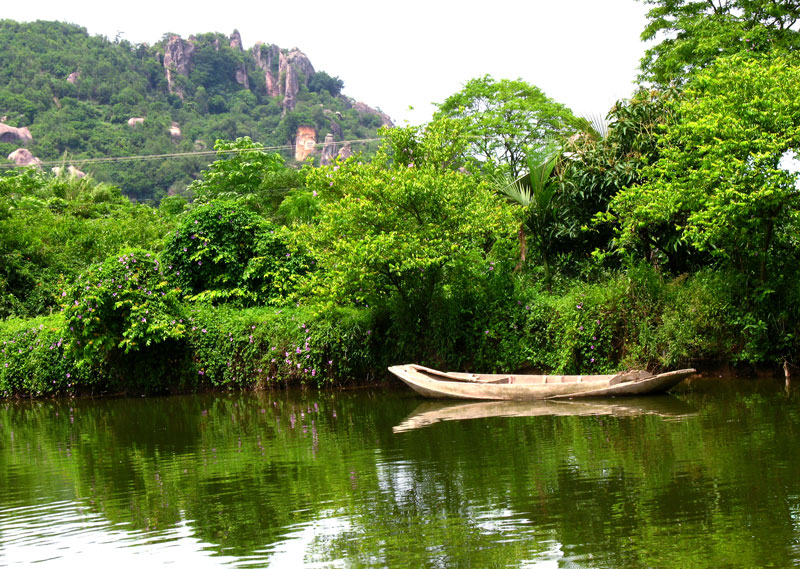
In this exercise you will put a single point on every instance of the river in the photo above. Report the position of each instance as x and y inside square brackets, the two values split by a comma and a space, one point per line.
[706, 477]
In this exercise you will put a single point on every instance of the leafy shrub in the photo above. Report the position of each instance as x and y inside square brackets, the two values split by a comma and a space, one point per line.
[267, 346]
[221, 252]
[124, 303]
[35, 361]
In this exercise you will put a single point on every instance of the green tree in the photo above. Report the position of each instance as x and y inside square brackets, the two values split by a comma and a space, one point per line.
[596, 168]
[721, 178]
[506, 119]
[123, 303]
[403, 236]
[691, 34]
[222, 252]
[244, 171]
[322, 81]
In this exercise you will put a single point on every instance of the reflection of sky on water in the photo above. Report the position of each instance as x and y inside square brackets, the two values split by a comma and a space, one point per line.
[298, 549]
[61, 533]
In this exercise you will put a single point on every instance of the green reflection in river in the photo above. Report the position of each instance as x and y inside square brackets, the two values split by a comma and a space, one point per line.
[709, 478]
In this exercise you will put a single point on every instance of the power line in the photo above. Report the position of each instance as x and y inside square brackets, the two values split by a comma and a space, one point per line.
[144, 157]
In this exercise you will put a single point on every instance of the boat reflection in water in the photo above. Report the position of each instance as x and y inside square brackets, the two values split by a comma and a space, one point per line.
[431, 412]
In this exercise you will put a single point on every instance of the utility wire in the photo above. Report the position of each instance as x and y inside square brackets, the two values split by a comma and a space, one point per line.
[144, 157]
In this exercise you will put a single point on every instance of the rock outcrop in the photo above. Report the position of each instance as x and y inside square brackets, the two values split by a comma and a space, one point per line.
[296, 68]
[267, 58]
[72, 172]
[241, 71]
[365, 109]
[236, 40]
[345, 152]
[23, 157]
[328, 150]
[241, 77]
[73, 77]
[283, 72]
[13, 134]
[304, 142]
[175, 130]
[291, 88]
[177, 61]
[301, 63]
[133, 121]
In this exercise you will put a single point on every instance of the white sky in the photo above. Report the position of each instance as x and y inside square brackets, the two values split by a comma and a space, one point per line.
[392, 55]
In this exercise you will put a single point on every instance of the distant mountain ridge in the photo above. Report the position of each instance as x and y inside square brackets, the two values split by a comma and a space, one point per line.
[66, 95]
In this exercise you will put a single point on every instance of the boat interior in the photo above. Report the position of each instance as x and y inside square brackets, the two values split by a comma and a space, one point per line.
[611, 379]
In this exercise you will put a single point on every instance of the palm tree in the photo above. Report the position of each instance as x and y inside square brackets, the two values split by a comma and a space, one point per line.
[536, 192]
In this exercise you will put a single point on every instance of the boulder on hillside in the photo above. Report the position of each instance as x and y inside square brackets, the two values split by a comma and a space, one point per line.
[72, 172]
[133, 121]
[13, 134]
[73, 77]
[23, 157]
[175, 130]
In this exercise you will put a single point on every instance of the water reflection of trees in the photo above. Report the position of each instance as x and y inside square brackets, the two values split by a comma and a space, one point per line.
[248, 470]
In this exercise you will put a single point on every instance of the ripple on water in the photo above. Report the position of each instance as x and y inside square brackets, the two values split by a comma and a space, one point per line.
[65, 531]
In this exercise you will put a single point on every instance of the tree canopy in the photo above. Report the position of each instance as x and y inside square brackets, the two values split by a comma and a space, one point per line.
[691, 34]
[506, 119]
[722, 178]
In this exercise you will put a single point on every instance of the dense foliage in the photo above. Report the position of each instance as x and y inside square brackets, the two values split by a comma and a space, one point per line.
[52, 227]
[692, 34]
[723, 165]
[665, 236]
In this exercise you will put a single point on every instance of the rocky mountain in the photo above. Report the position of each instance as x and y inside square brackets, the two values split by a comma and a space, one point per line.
[67, 96]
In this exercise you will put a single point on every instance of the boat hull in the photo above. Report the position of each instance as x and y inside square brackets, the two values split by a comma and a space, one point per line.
[439, 385]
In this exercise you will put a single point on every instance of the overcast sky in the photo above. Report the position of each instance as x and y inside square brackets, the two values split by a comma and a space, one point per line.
[396, 55]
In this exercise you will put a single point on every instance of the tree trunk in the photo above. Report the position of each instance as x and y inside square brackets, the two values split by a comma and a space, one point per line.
[767, 242]
[523, 248]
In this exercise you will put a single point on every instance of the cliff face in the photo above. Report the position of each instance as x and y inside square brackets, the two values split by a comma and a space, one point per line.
[177, 61]
[284, 71]
[305, 141]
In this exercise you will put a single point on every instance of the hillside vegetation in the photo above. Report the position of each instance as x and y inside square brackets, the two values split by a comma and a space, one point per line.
[76, 94]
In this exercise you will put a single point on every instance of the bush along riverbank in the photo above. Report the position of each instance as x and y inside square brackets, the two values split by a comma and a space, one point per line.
[219, 349]
[126, 334]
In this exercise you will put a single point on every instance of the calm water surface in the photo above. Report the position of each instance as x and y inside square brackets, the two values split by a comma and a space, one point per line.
[708, 477]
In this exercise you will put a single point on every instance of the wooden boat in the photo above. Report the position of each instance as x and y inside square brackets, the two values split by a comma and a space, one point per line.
[438, 384]
[432, 412]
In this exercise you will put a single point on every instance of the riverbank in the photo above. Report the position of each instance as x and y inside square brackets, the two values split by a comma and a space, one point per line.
[635, 319]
